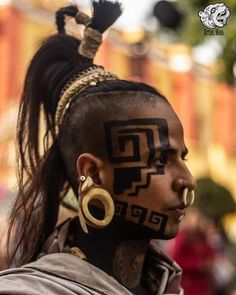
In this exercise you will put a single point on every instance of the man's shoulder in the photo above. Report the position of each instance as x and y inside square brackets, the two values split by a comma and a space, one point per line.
[59, 273]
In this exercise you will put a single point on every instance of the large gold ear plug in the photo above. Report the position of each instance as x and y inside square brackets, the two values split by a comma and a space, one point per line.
[188, 197]
[88, 193]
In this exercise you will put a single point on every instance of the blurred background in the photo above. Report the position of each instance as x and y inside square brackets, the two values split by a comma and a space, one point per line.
[162, 43]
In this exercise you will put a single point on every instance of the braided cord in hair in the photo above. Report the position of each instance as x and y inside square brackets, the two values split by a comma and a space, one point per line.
[90, 43]
[82, 18]
[87, 78]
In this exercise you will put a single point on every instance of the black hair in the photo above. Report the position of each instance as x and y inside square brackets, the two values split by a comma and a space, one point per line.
[44, 177]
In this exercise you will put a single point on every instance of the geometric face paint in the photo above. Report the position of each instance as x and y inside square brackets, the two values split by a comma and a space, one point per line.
[124, 142]
[140, 215]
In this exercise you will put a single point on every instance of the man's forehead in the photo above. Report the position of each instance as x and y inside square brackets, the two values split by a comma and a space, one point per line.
[136, 133]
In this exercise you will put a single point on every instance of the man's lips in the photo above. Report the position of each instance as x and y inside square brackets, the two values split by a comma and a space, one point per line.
[178, 210]
[178, 207]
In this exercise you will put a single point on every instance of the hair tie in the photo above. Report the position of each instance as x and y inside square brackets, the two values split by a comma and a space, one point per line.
[90, 43]
[82, 19]
[92, 38]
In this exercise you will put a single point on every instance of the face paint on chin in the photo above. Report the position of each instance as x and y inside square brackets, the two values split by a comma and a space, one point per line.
[144, 224]
[137, 231]
[139, 225]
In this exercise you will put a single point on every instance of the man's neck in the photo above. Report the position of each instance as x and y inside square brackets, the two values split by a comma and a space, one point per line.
[128, 262]
[112, 250]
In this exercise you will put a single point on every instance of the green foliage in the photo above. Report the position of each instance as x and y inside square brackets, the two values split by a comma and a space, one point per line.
[213, 199]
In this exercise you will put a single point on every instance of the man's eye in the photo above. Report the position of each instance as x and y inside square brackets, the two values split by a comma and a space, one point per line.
[164, 159]
[160, 160]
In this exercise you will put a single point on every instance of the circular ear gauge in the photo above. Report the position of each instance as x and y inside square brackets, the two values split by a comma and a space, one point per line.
[104, 197]
[188, 197]
[82, 220]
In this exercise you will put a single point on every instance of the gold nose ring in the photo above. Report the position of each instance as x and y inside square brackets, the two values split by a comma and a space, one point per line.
[188, 197]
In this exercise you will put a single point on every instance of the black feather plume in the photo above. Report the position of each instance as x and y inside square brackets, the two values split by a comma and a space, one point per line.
[105, 13]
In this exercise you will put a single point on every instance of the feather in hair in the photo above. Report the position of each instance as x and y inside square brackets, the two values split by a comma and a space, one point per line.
[105, 13]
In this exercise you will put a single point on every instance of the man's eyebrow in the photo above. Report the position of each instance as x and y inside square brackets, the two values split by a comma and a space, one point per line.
[171, 151]
[166, 150]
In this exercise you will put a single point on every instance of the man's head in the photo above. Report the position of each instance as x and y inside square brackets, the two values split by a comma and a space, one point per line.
[131, 143]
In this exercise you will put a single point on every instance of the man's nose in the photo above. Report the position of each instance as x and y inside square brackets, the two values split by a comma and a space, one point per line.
[184, 180]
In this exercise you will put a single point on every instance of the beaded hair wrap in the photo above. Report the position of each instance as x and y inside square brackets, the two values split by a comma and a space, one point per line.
[92, 38]
[88, 78]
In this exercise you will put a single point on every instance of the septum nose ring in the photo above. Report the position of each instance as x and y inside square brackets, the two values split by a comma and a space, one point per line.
[188, 197]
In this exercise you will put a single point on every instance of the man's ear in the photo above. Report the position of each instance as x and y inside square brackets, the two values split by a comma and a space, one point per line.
[89, 165]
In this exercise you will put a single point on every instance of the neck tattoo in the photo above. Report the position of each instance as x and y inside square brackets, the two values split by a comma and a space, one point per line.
[128, 262]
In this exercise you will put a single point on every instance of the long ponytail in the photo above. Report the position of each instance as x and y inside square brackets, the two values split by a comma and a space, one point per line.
[42, 176]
